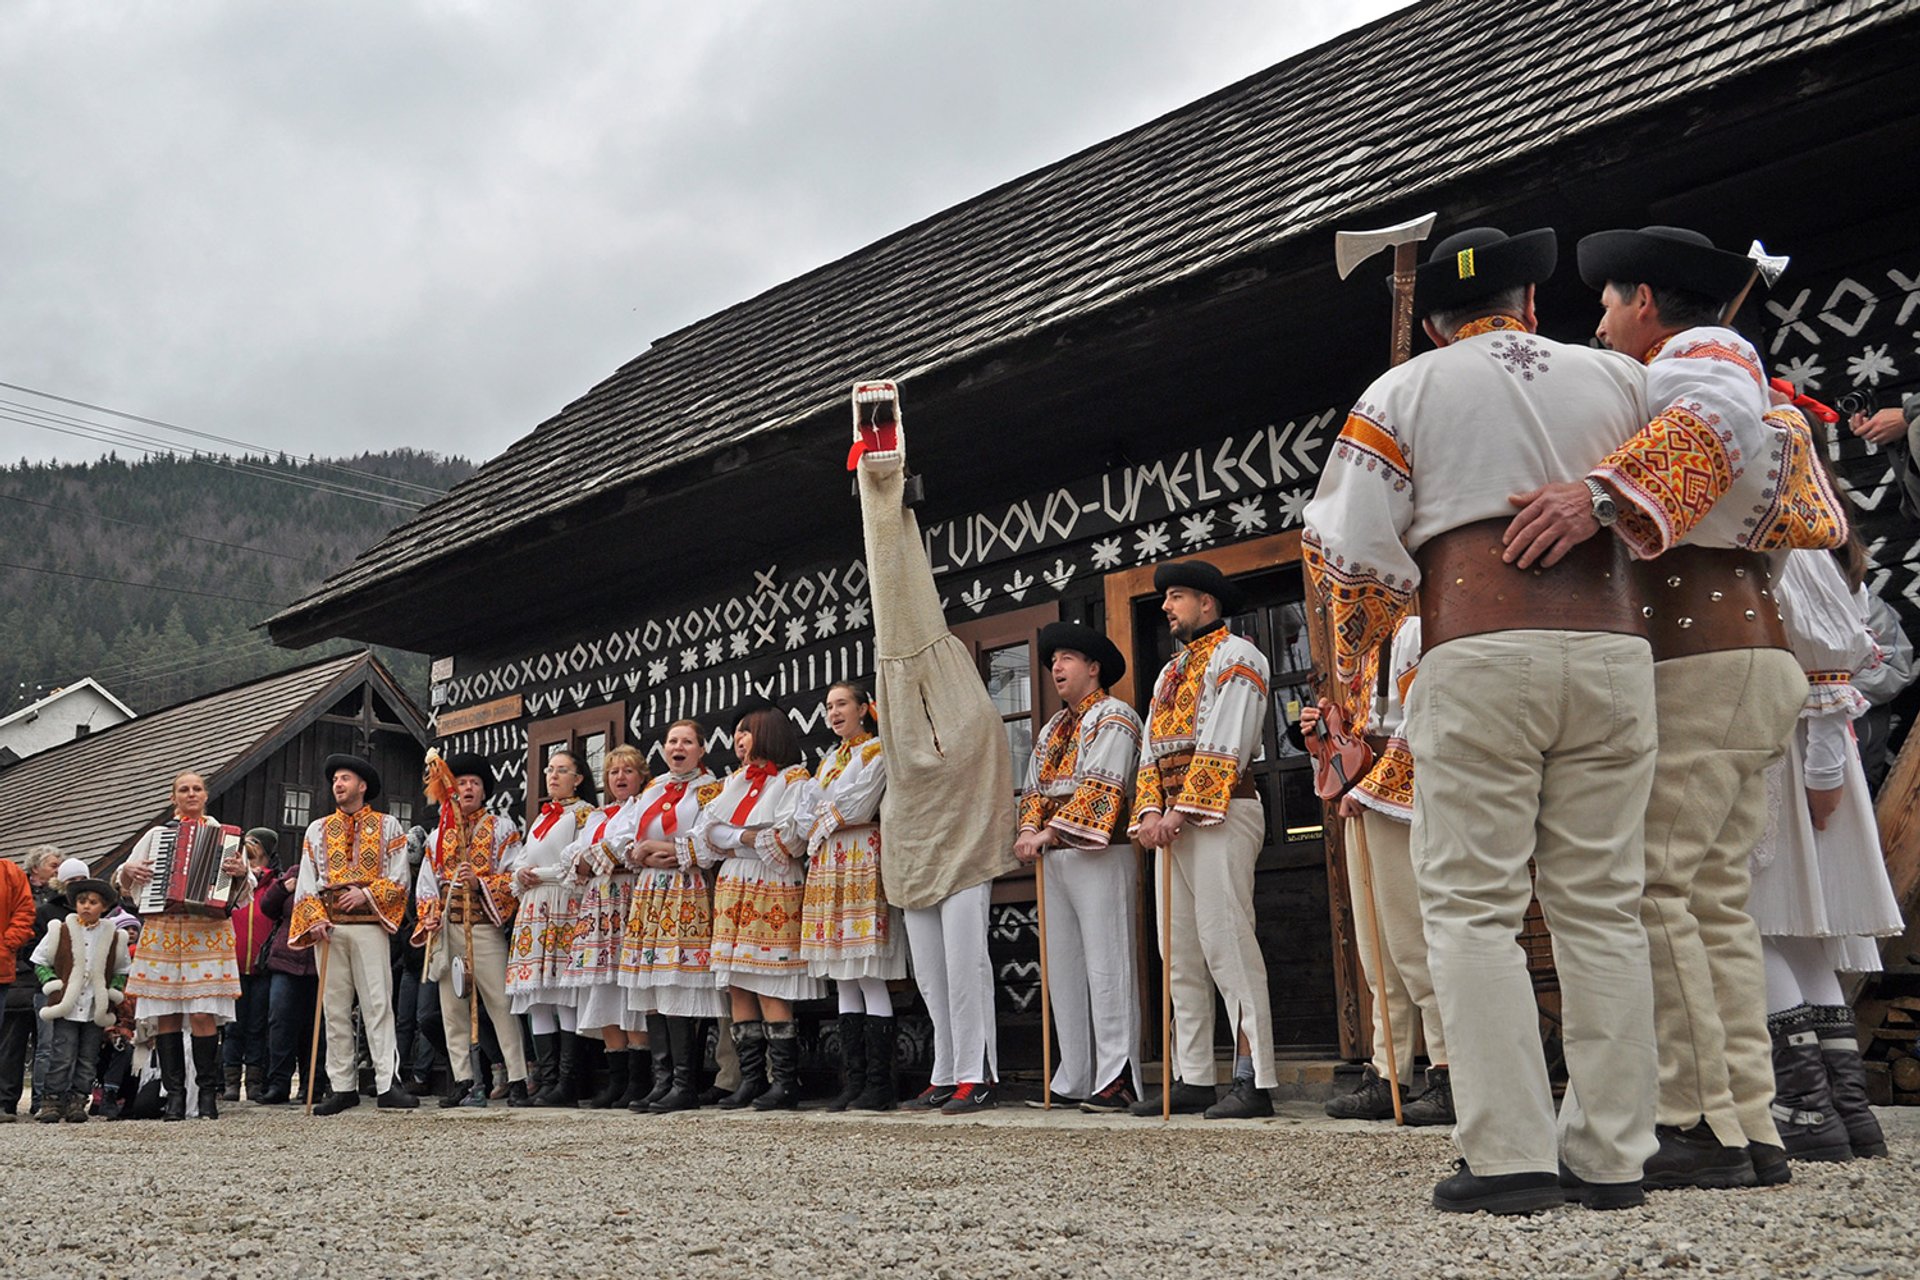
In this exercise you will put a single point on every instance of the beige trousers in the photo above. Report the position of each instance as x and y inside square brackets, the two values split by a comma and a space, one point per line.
[1539, 744]
[1724, 717]
[359, 964]
[1214, 943]
[487, 975]
[1403, 967]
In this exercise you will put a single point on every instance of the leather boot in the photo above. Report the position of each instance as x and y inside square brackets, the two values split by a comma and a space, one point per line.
[172, 1049]
[540, 1070]
[639, 1079]
[783, 1052]
[206, 1075]
[750, 1043]
[1435, 1106]
[880, 1093]
[562, 1091]
[616, 1086]
[232, 1092]
[683, 1042]
[853, 1060]
[1803, 1108]
[1847, 1079]
[256, 1080]
[660, 1051]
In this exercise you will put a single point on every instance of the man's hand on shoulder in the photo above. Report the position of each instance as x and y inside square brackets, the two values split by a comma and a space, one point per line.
[1553, 520]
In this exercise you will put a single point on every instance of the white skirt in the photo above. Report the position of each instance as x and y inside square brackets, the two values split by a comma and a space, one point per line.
[1821, 884]
[605, 1005]
[678, 1001]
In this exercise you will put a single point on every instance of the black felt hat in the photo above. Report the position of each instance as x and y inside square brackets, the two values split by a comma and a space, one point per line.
[1468, 265]
[1666, 257]
[1198, 575]
[1078, 637]
[74, 888]
[465, 764]
[360, 765]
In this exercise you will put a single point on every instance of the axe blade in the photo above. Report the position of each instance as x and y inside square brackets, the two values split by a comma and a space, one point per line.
[1770, 267]
[1351, 248]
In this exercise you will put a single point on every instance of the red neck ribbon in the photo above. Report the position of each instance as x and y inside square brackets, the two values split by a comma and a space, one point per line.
[757, 775]
[666, 808]
[601, 830]
[549, 814]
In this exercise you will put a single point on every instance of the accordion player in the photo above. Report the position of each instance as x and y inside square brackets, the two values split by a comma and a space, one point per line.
[187, 870]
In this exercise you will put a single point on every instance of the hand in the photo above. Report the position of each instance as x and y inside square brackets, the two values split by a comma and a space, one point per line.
[1028, 847]
[1148, 832]
[353, 899]
[1171, 825]
[1348, 807]
[660, 856]
[137, 874]
[1310, 716]
[321, 930]
[526, 877]
[431, 925]
[1882, 428]
[1777, 397]
[1553, 520]
[233, 866]
[1821, 804]
[466, 876]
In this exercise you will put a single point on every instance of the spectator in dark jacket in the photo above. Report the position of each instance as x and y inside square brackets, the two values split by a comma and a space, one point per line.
[293, 988]
[246, 1038]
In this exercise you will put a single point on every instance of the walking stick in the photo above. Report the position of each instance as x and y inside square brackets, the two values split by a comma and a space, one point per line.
[1046, 1002]
[319, 1012]
[1166, 983]
[476, 1056]
[1359, 828]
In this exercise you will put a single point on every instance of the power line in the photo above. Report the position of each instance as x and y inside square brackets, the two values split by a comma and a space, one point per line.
[96, 515]
[231, 647]
[123, 582]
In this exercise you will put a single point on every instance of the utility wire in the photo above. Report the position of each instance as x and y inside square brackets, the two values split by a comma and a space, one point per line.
[96, 515]
[229, 648]
[123, 582]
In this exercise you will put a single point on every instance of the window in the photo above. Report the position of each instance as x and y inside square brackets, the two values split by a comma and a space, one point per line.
[1004, 646]
[402, 810]
[588, 734]
[296, 807]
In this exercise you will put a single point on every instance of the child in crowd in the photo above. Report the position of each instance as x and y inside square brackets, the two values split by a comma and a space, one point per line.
[82, 965]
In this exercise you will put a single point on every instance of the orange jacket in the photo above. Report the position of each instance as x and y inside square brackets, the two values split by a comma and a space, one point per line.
[16, 915]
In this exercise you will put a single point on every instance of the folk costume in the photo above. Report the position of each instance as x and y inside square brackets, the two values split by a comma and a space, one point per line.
[1077, 786]
[1203, 731]
[949, 800]
[1821, 896]
[82, 971]
[1385, 795]
[366, 850]
[489, 843]
[1531, 719]
[606, 904]
[1711, 480]
[848, 930]
[186, 963]
[543, 928]
[666, 951]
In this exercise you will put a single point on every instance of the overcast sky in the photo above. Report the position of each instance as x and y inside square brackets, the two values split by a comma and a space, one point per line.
[346, 226]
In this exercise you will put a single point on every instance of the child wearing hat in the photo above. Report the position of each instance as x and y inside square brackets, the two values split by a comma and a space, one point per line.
[82, 966]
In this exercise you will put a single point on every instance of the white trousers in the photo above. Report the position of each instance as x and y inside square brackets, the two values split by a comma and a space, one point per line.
[1214, 944]
[488, 976]
[1403, 968]
[359, 965]
[1091, 967]
[948, 942]
[1539, 744]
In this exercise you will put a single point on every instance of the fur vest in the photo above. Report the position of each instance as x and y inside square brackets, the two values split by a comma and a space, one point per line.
[106, 962]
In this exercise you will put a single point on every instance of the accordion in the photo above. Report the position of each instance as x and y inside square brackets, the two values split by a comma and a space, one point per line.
[186, 870]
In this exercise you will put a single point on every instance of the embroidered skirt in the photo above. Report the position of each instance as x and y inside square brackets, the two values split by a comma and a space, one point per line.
[666, 957]
[185, 964]
[594, 956]
[847, 930]
[756, 931]
[542, 949]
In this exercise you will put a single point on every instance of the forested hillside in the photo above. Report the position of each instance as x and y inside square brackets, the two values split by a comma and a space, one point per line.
[150, 575]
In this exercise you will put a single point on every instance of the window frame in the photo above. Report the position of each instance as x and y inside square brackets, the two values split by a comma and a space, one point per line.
[574, 727]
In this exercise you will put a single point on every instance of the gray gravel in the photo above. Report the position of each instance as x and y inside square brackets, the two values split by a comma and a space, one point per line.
[268, 1192]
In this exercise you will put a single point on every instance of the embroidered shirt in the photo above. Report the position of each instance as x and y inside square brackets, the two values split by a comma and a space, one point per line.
[1079, 779]
[544, 851]
[1387, 787]
[723, 831]
[666, 810]
[365, 850]
[487, 842]
[847, 789]
[1203, 728]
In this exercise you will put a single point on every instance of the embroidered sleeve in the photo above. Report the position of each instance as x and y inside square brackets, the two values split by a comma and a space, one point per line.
[1097, 810]
[1227, 733]
[308, 909]
[426, 896]
[1804, 512]
[782, 843]
[1147, 794]
[1032, 809]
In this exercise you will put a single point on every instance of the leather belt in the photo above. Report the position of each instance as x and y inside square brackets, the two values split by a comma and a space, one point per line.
[1710, 600]
[1466, 589]
[1173, 775]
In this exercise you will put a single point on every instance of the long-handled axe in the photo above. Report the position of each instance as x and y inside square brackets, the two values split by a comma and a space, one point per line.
[1765, 265]
[1351, 248]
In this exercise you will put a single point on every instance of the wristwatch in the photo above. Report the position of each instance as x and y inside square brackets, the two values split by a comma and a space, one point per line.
[1605, 510]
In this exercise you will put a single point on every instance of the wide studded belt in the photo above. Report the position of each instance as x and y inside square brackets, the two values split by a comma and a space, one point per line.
[1709, 600]
[1466, 589]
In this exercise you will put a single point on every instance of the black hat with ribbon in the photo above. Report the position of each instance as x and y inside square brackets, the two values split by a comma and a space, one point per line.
[465, 764]
[358, 765]
[1197, 575]
[1078, 637]
[1664, 257]
[1471, 264]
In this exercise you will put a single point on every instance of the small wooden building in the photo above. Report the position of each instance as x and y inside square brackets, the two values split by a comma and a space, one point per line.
[1144, 351]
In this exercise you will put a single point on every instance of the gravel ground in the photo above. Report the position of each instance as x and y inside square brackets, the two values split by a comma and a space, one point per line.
[268, 1192]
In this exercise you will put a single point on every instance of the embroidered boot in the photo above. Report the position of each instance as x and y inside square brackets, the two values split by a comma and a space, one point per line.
[206, 1075]
[1803, 1108]
[750, 1043]
[783, 1051]
[562, 1091]
[853, 1060]
[173, 1074]
[682, 1038]
[1847, 1079]
[660, 1050]
[880, 1094]
[616, 1086]
[639, 1079]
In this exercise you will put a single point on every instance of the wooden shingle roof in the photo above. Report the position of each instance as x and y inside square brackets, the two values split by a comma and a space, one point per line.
[95, 795]
[1428, 96]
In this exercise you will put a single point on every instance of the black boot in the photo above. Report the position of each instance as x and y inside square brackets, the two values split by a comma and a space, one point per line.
[1435, 1106]
[256, 1080]
[616, 1086]
[683, 1043]
[880, 1093]
[1371, 1100]
[1810, 1128]
[639, 1078]
[206, 1075]
[540, 1070]
[561, 1092]
[173, 1074]
[232, 1092]
[1847, 1079]
[750, 1042]
[660, 1053]
[783, 1051]
[853, 1060]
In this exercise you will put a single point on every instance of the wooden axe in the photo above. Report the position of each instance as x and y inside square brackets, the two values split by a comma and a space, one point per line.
[1351, 248]
[1764, 265]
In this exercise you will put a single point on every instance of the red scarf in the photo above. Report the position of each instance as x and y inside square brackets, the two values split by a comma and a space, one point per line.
[666, 808]
[601, 830]
[549, 814]
[757, 775]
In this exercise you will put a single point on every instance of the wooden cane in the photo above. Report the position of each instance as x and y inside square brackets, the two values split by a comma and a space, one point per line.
[319, 1012]
[1046, 1002]
[1359, 829]
[1166, 983]
[473, 987]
